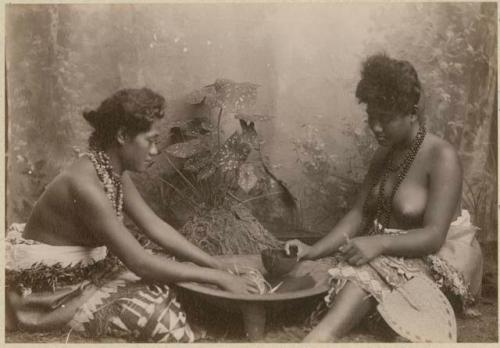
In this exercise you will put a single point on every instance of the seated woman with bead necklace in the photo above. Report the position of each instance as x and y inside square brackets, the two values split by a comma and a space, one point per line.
[407, 213]
[59, 271]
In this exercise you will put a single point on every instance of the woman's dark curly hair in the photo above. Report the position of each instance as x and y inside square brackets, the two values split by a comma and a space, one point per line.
[134, 110]
[389, 84]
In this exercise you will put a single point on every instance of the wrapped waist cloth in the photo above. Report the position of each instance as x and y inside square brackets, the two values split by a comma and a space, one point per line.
[456, 268]
[88, 290]
[23, 253]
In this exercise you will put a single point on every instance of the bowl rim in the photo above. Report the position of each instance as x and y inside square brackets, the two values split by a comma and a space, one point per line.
[198, 288]
[226, 295]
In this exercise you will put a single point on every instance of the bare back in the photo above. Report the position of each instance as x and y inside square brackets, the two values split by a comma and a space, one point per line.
[54, 219]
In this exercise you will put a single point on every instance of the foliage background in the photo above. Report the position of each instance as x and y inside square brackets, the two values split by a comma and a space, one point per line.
[62, 59]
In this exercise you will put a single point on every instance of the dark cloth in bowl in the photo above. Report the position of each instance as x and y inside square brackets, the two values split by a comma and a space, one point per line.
[277, 262]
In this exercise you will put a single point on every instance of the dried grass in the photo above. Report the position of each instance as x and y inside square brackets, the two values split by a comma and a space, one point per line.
[229, 231]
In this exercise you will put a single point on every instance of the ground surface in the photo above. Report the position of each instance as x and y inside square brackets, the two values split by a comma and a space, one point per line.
[481, 329]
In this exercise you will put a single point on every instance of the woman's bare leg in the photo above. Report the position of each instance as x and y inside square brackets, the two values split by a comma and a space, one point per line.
[349, 306]
[33, 313]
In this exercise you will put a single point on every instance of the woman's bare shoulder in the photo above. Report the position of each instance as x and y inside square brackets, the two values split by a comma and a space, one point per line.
[85, 189]
[65, 189]
[440, 147]
[441, 153]
[80, 174]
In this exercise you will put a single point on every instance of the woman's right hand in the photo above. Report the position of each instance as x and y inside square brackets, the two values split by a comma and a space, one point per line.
[302, 250]
[237, 284]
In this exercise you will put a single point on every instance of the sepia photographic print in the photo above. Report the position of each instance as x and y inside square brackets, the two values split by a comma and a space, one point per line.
[258, 172]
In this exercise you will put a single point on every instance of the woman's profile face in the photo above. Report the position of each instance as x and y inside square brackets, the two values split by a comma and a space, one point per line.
[389, 127]
[138, 151]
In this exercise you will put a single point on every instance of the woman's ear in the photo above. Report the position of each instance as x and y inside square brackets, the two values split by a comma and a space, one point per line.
[413, 118]
[415, 109]
[121, 136]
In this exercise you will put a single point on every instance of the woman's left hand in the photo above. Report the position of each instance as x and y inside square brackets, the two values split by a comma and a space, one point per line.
[361, 250]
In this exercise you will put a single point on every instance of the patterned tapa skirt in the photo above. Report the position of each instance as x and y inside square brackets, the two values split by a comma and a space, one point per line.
[89, 291]
[456, 269]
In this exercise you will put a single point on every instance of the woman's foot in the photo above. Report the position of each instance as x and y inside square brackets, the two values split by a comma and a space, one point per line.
[348, 307]
[317, 336]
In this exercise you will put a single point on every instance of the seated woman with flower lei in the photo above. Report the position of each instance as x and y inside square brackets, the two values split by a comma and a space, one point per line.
[74, 263]
[407, 221]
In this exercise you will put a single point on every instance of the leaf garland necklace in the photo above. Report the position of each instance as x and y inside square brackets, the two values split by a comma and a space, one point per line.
[112, 182]
[384, 205]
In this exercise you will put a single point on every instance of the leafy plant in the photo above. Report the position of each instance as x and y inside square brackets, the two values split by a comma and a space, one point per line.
[210, 169]
[214, 175]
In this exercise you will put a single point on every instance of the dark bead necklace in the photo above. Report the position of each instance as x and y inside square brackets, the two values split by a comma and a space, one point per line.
[383, 205]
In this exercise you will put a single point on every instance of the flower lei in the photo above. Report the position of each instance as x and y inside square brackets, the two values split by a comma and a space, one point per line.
[111, 181]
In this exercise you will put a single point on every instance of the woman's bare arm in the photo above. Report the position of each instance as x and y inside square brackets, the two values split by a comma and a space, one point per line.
[445, 186]
[97, 214]
[159, 231]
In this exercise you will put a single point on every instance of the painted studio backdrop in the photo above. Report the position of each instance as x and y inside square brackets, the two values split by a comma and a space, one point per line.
[277, 79]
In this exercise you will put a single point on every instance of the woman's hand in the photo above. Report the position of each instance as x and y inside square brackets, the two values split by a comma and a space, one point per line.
[361, 250]
[231, 267]
[238, 285]
[302, 250]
